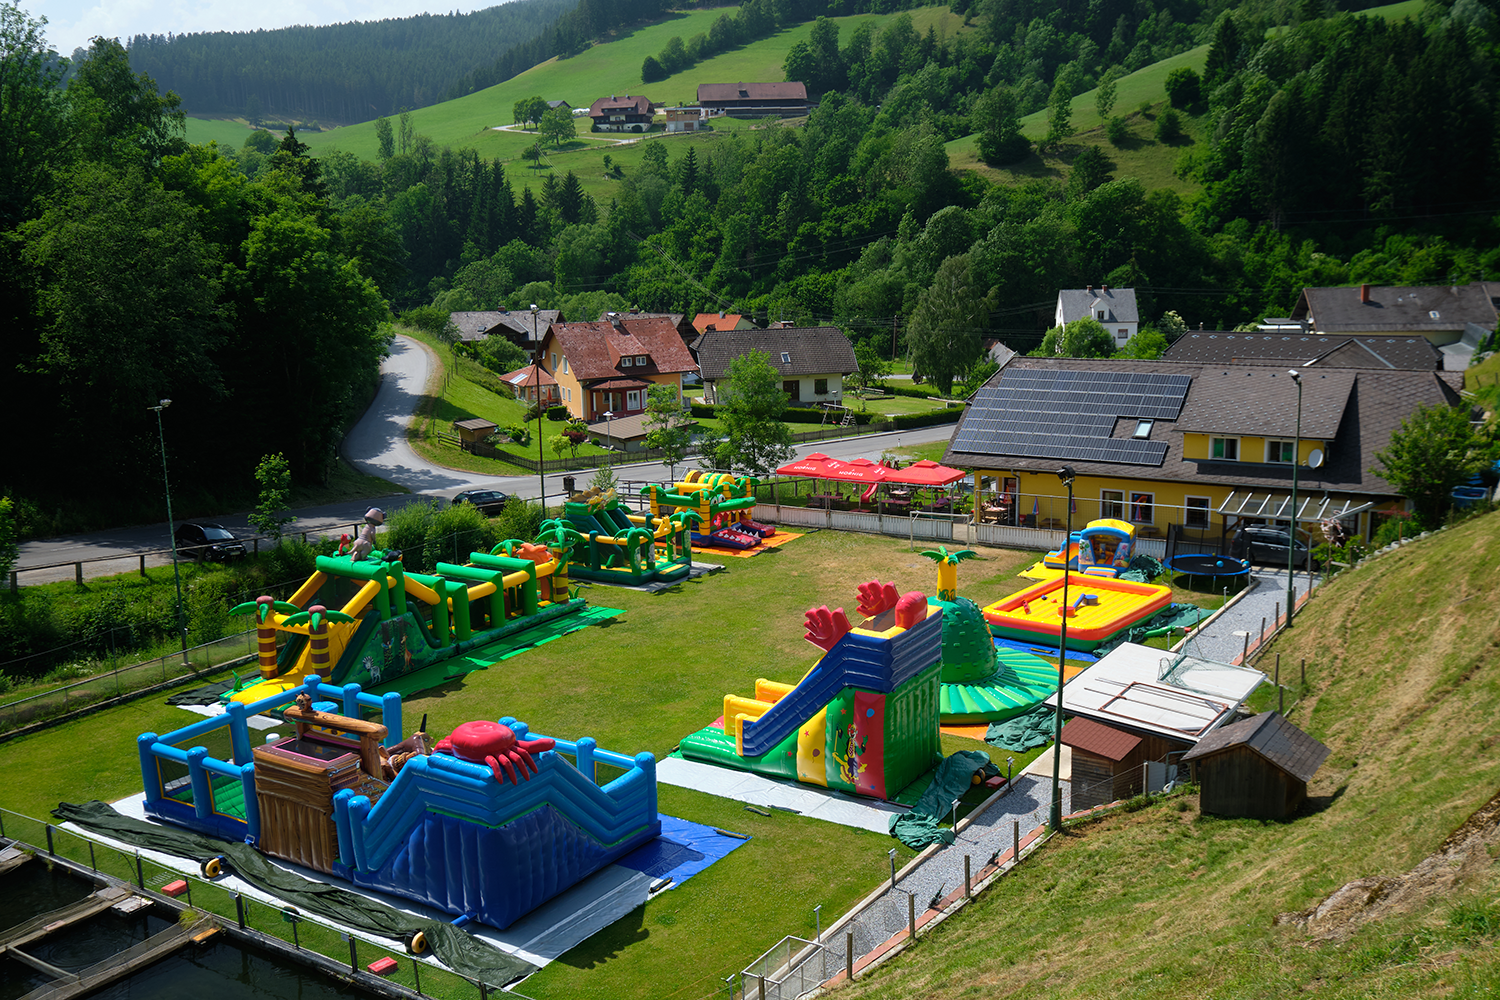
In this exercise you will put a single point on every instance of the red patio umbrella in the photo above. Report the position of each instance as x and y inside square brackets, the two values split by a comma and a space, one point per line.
[925, 473]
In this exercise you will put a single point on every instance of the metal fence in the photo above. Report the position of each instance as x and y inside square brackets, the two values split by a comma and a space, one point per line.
[125, 680]
[792, 967]
[341, 951]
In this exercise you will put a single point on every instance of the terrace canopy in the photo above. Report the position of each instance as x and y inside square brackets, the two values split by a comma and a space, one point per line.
[925, 473]
[820, 466]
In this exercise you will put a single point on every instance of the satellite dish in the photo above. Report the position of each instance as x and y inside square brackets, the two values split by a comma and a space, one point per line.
[1315, 458]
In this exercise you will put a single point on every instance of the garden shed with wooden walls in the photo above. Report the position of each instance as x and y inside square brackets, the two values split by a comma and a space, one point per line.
[1107, 762]
[1256, 768]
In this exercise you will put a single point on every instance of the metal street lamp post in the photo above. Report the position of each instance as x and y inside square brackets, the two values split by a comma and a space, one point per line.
[541, 476]
[1291, 534]
[1066, 475]
[608, 416]
[171, 527]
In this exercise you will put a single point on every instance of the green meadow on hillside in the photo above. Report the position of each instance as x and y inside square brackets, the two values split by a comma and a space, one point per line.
[613, 68]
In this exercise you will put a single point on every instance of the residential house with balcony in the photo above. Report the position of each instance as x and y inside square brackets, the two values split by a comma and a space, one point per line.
[1205, 447]
[609, 366]
[622, 113]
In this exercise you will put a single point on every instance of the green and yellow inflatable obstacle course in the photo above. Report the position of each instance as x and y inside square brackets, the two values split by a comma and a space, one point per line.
[608, 544]
[390, 623]
[863, 720]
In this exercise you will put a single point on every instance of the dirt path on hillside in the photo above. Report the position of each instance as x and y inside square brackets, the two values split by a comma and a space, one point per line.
[1464, 853]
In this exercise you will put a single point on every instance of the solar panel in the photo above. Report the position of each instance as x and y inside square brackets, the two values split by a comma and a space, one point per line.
[1070, 415]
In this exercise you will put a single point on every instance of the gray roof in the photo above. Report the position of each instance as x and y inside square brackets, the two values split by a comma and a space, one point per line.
[1362, 407]
[1270, 736]
[811, 350]
[514, 324]
[1082, 303]
[776, 91]
[1263, 402]
[1229, 347]
[1393, 308]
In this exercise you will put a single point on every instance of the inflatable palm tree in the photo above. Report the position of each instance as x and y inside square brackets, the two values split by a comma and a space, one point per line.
[317, 619]
[947, 567]
[265, 628]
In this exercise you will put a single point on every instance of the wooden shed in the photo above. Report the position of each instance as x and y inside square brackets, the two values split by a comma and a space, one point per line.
[1256, 768]
[473, 431]
[1107, 762]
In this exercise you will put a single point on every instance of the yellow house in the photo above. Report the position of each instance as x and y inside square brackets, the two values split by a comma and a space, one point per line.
[1187, 448]
[610, 365]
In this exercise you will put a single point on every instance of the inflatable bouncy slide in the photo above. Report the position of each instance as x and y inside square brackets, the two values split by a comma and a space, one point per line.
[721, 503]
[487, 823]
[1100, 548]
[369, 621]
[608, 544]
[863, 720]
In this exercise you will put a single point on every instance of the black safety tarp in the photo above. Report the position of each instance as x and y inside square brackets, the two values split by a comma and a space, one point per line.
[455, 947]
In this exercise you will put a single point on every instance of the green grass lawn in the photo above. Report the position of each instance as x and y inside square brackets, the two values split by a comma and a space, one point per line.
[201, 131]
[657, 672]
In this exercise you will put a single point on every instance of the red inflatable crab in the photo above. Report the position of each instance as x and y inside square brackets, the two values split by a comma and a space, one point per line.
[493, 744]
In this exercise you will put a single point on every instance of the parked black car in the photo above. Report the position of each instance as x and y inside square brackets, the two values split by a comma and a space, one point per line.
[489, 502]
[213, 542]
[1267, 544]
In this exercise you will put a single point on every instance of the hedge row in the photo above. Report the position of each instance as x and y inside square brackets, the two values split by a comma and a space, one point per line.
[792, 415]
[907, 421]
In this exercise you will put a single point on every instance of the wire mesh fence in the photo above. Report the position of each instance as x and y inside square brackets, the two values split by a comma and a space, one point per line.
[123, 680]
[792, 967]
[233, 909]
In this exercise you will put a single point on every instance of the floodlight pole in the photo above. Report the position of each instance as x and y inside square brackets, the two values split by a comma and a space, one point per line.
[1291, 535]
[171, 527]
[541, 476]
[1066, 475]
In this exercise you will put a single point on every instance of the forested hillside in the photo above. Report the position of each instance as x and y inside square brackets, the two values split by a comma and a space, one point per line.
[247, 284]
[337, 73]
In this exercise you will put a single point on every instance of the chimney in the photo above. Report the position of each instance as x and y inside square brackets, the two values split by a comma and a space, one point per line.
[1364, 294]
[1103, 289]
[1089, 289]
[721, 314]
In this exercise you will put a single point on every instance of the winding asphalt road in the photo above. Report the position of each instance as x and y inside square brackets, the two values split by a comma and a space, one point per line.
[377, 446]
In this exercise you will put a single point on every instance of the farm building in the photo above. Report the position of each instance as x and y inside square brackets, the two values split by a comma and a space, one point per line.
[1108, 764]
[1256, 768]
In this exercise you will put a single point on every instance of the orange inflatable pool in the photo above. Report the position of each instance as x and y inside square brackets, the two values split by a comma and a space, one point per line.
[1101, 607]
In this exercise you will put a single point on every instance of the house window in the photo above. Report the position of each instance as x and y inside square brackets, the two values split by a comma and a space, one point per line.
[625, 362]
[786, 358]
[1143, 429]
[1143, 508]
[1100, 315]
[1112, 503]
[1226, 448]
[1195, 511]
[633, 399]
[1280, 451]
[554, 361]
[640, 361]
[565, 364]
[820, 387]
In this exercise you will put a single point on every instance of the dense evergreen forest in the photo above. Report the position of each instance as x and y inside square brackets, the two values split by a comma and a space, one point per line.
[339, 73]
[247, 284]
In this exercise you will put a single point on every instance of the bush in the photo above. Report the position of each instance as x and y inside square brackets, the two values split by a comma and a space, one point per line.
[907, 421]
[454, 532]
[703, 410]
[429, 319]
[1169, 126]
[207, 602]
[1184, 89]
[519, 520]
[1117, 131]
[406, 530]
[519, 433]
[558, 412]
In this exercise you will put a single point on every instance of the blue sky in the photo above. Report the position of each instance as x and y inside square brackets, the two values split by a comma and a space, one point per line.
[71, 23]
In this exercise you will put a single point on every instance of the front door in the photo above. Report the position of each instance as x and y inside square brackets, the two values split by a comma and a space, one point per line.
[793, 388]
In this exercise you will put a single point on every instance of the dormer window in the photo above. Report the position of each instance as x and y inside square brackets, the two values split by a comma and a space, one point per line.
[1226, 448]
[640, 361]
[786, 358]
[625, 362]
[1143, 430]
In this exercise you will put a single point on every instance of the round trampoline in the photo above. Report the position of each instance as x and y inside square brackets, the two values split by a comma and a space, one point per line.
[1202, 564]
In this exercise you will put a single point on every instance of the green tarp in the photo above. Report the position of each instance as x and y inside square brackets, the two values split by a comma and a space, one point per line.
[1022, 733]
[919, 827]
[455, 947]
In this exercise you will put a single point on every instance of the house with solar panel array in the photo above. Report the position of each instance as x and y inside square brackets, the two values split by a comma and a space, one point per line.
[1189, 452]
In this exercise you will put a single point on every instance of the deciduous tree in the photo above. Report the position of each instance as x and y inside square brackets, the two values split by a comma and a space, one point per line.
[666, 425]
[751, 405]
[944, 335]
[1434, 450]
[275, 478]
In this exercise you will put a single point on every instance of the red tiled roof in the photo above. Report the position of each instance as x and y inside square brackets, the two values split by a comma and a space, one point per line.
[1098, 739]
[718, 321]
[528, 376]
[621, 383]
[636, 104]
[594, 350]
